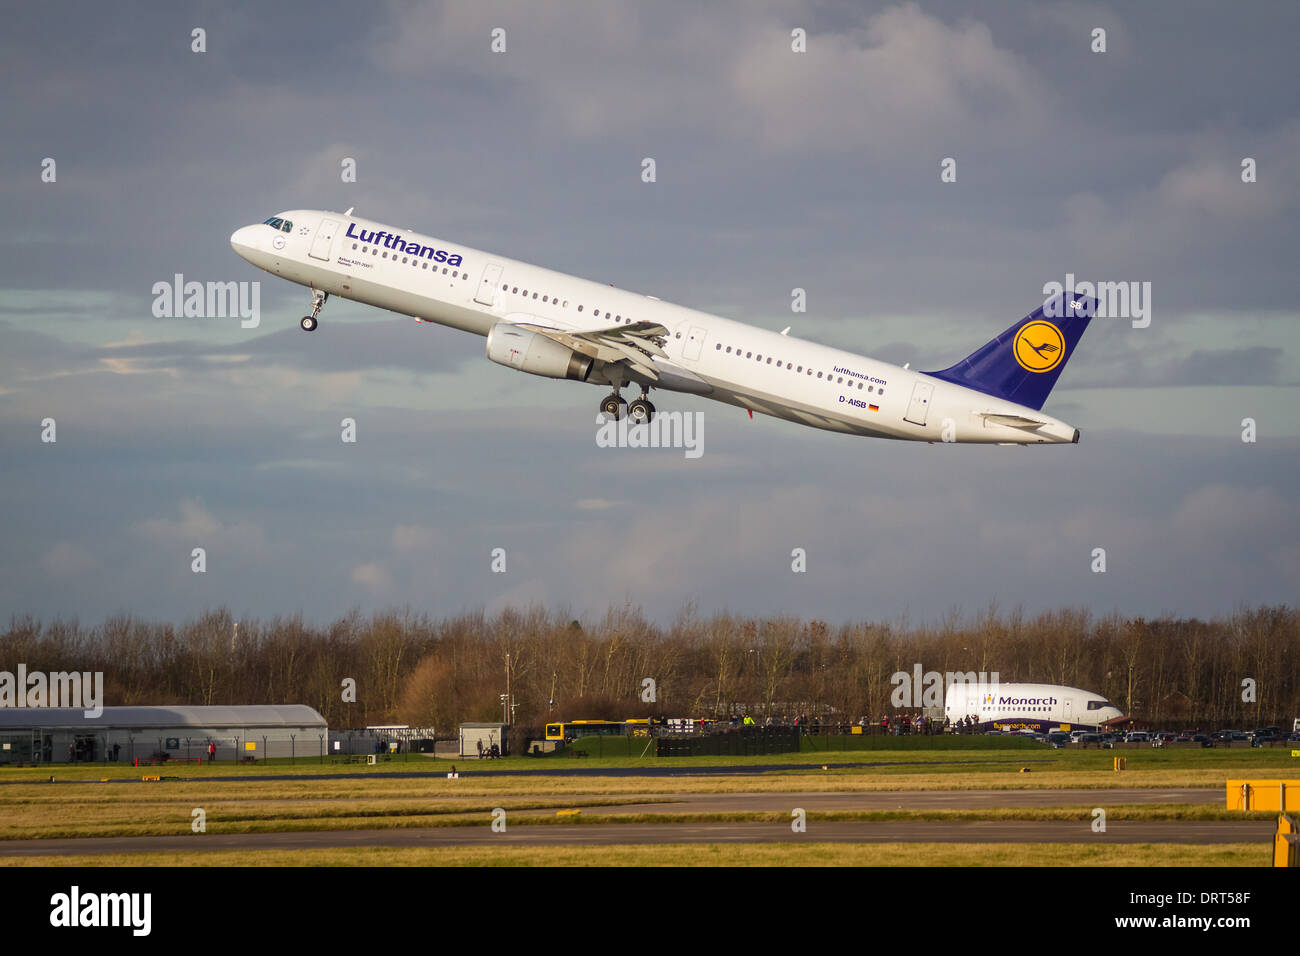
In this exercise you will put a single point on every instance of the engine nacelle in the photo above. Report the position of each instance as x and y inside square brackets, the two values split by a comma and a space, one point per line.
[531, 352]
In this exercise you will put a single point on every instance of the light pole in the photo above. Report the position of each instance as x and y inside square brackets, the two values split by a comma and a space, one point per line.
[509, 708]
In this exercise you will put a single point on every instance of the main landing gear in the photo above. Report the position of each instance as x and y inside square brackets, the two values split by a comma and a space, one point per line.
[318, 300]
[640, 411]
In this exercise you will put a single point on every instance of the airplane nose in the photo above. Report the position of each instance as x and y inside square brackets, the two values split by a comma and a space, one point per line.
[242, 239]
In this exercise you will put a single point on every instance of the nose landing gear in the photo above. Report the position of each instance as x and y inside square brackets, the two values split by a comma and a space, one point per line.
[318, 300]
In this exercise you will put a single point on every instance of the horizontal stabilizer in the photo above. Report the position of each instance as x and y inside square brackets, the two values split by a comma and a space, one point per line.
[1014, 421]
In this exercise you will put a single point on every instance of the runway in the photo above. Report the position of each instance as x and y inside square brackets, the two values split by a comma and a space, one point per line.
[1194, 832]
[912, 800]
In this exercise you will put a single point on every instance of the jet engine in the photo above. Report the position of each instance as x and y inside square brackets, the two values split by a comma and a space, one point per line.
[532, 352]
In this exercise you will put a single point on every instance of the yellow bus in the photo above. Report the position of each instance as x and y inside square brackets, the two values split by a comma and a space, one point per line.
[573, 729]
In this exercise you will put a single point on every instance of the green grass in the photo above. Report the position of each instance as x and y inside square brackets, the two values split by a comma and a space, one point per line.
[1272, 762]
[706, 854]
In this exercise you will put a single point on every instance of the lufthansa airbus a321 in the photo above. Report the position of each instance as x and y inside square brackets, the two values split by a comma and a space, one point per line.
[556, 325]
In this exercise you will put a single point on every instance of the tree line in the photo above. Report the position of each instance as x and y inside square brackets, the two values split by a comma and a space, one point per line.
[410, 668]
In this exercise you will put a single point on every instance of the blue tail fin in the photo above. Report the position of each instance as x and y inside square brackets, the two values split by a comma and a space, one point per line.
[1023, 363]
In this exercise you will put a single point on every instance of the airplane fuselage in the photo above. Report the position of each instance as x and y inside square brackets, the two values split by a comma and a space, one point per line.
[1040, 707]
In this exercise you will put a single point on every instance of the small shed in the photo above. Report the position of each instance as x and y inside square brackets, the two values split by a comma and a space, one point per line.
[472, 735]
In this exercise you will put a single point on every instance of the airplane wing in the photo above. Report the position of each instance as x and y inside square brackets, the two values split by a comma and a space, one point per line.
[637, 344]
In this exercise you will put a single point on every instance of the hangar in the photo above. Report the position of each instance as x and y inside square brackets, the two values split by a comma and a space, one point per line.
[32, 735]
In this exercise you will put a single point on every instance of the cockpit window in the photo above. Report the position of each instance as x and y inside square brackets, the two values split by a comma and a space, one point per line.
[286, 226]
[1099, 704]
[274, 223]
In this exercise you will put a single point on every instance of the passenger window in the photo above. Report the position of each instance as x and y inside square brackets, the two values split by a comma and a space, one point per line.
[579, 308]
[354, 245]
[718, 346]
[534, 295]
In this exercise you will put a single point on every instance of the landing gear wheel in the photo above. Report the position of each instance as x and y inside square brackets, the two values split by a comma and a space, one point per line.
[612, 406]
[640, 411]
[318, 300]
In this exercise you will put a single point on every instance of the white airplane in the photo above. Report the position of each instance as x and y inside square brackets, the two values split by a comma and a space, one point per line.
[1042, 707]
[559, 326]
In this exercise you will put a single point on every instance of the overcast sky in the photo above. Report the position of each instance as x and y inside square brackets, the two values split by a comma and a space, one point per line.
[775, 170]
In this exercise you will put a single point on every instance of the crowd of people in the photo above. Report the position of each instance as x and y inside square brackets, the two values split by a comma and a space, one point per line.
[901, 724]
